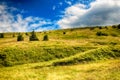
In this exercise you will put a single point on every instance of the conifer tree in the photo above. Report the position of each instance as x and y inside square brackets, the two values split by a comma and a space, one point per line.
[20, 37]
[33, 36]
[45, 38]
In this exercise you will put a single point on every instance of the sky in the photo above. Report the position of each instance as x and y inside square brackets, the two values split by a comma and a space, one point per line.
[42, 15]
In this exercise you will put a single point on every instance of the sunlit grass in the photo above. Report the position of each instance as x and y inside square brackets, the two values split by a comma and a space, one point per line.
[105, 70]
[35, 60]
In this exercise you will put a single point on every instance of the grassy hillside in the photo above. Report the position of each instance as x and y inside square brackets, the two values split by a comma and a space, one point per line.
[68, 54]
[61, 44]
[104, 70]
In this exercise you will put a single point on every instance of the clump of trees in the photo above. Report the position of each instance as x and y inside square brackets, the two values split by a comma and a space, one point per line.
[114, 26]
[101, 34]
[1, 35]
[45, 38]
[20, 37]
[33, 36]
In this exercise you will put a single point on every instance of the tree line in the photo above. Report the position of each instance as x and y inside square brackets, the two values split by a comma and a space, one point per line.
[32, 36]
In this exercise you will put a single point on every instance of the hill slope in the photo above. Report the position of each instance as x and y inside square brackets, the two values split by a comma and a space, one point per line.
[70, 54]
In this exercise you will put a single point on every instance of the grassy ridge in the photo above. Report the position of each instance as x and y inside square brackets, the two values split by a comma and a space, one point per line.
[59, 45]
[103, 53]
[95, 51]
[17, 55]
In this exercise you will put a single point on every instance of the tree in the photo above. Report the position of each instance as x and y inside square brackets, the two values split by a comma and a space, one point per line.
[1, 35]
[20, 37]
[118, 26]
[26, 34]
[33, 36]
[45, 38]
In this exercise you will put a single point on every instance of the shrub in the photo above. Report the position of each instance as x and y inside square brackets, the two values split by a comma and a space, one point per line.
[100, 27]
[92, 28]
[118, 26]
[114, 26]
[64, 32]
[2, 56]
[45, 38]
[1, 35]
[114, 34]
[33, 36]
[106, 27]
[26, 34]
[13, 35]
[101, 34]
[20, 37]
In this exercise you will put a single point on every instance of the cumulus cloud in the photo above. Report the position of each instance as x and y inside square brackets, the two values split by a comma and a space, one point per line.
[68, 2]
[16, 23]
[100, 12]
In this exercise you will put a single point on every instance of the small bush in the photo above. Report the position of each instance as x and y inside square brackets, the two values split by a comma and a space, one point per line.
[33, 36]
[64, 32]
[118, 26]
[113, 43]
[106, 27]
[101, 34]
[20, 37]
[2, 56]
[45, 38]
[114, 26]
[1, 35]
[114, 34]
[26, 34]
[100, 27]
[13, 35]
[92, 28]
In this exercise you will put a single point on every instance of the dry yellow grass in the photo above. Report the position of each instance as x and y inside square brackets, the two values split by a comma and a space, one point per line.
[108, 70]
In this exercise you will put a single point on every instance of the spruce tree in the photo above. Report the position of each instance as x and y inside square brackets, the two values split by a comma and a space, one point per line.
[20, 37]
[33, 36]
[1, 35]
[45, 38]
[118, 26]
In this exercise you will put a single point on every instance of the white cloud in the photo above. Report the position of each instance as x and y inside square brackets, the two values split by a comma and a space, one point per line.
[68, 2]
[54, 7]
[16, 23]
[101, 12]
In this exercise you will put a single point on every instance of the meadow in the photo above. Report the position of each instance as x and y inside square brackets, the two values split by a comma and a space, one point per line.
[90, 53]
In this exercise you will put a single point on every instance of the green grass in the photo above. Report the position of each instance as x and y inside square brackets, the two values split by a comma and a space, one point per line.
[79, 54]
[103, 53]
[17, 55]
[104, 70]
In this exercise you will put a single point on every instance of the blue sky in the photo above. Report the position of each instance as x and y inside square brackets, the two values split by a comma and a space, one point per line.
[49, 9]
[26, 15]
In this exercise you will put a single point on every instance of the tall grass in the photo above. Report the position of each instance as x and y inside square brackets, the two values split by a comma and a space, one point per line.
[91, 55]
[17, 55]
